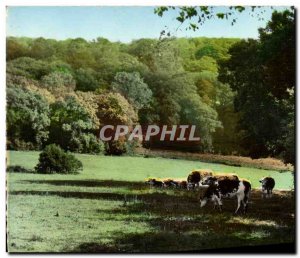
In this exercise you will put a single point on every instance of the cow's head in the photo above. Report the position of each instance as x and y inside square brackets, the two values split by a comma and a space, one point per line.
[263, 182]
[190, 185]
[209, 180]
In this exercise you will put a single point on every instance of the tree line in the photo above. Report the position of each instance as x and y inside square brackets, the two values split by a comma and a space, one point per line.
[63, 91]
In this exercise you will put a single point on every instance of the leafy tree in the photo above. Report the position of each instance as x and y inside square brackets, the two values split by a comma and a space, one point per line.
[226, 139]
[72, 127]
[278, 48]
[41, 48]
[88, 100]
[181, 84]
[266, 112]
[54, 160]
[207, 50]
[165, 106]
[133, 88]
[198, 15]
[60, 67]
[57, 82]
[143, 49]
[15, 48]
[28, 67]
[243, 73]
[114, 109]
[27, 118]
[86, 79]
[77, 53]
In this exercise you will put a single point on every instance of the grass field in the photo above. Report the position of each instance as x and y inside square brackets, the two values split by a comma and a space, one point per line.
[107, 208]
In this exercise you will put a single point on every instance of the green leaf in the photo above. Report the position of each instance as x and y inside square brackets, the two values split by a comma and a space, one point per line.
[181, 19]
[220, 15]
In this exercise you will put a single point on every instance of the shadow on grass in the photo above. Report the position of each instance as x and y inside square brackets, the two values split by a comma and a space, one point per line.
[95, 248]
[173, 242]
[175, 221]
[156, 197]
[163, 202]
[205, 232]
[91, 183]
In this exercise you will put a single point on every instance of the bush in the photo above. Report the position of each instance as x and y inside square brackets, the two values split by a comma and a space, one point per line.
[54, 160]
[131, 147]
[18, 169]
[86, 143]
[121, 146]
[115, 147]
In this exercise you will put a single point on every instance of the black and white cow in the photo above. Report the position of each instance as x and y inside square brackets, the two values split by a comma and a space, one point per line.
[267, 185]
[226, 186]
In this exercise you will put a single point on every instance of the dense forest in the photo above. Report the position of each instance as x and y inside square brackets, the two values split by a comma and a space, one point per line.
[239, 93]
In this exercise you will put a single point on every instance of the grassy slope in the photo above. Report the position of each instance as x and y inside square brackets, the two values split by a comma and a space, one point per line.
[137, 168]
[88, 212]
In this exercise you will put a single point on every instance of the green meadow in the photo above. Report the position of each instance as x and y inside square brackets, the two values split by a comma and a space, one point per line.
[108, 208]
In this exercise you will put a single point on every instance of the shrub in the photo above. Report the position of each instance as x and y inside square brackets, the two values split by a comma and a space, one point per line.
[131, 147]
[18, 169]
[54, 160]
[86, 143]
[115, 147]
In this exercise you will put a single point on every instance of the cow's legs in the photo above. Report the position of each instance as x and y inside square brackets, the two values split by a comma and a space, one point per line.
[238, 206]
[245, 202]
[215, 204]
[245, 206]
[217, 201]
[240, 197]
[220, 203]
[271, 193]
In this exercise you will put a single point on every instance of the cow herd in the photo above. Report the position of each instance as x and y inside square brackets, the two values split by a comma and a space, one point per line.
[216, 186]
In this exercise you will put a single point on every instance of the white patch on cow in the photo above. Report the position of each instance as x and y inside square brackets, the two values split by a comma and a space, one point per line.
[240, 197]
[203, 202]
[190, 186]
[240, 193]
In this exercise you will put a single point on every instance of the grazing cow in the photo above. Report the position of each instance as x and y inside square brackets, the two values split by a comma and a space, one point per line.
[196, 176]
[267, 185]
[171, 183]
[226, 179]
[168, 182]
[154, 182]
[175, 183]
[226, 186]
[183, 184]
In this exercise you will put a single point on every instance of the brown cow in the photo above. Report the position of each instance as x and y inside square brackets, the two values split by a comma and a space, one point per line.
[196, 176]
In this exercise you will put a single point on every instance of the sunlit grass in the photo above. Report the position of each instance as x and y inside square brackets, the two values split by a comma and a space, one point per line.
[108, 208]
[138, 168]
